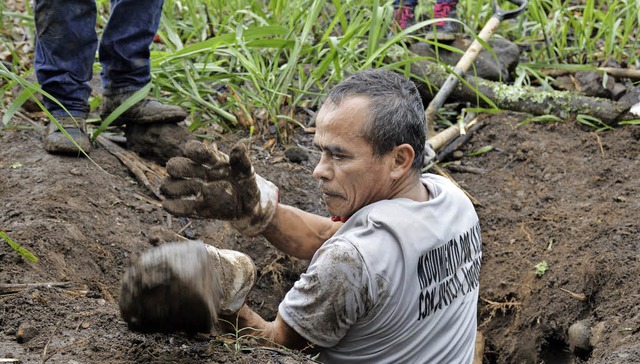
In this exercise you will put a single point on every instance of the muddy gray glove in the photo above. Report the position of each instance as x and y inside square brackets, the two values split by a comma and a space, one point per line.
[209, 184]
[237, 274]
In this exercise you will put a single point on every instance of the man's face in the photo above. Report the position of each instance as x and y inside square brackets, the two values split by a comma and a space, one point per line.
[350, 177]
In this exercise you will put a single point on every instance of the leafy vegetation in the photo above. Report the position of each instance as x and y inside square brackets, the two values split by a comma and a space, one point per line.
[264, 66]
[22, 251]
[541, 268]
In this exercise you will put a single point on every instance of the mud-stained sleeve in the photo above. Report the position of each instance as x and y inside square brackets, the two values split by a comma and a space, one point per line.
[330, 296]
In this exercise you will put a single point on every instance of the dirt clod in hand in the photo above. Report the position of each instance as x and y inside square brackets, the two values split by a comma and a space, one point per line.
[173, 287]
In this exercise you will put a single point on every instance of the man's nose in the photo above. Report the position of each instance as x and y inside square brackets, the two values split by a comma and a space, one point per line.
[323, 169]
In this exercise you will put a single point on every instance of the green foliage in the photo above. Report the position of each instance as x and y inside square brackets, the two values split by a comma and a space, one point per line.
[265, 60]
[252, 64]
[592, 122]
[22, 251]
[540, 119]
[582, 32]
[541, 268]
[481, 151]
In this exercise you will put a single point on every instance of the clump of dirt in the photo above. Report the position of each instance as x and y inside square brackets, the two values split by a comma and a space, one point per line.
[555, 193]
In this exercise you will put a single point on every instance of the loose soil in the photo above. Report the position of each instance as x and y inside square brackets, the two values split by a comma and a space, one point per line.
[556, 193]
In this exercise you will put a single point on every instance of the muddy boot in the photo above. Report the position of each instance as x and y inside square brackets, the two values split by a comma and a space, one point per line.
[157, 142]
[57, 143]
[403, 17]
[184, 286]
[147, 111]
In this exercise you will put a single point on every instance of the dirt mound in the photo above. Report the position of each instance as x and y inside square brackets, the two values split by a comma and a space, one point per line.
[554, 193]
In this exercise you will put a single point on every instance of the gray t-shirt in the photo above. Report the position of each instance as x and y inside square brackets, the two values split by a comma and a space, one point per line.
[398, 283]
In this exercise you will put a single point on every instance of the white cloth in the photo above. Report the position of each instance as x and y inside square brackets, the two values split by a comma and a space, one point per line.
[398, 283]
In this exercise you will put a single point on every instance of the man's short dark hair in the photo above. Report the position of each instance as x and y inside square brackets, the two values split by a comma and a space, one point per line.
[396, 116]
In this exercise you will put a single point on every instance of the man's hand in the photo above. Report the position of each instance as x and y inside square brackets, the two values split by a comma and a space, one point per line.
[209, 184]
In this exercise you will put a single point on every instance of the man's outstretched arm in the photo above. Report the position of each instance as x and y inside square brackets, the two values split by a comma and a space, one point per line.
[299, 233]
[207, 183]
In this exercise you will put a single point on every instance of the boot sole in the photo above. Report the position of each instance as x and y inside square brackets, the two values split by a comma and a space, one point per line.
[174, 118]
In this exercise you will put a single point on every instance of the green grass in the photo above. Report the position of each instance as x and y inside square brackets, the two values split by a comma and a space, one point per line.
[254, 65]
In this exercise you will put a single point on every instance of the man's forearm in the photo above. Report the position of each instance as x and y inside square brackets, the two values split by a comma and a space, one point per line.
[299, 233]
[274, 333]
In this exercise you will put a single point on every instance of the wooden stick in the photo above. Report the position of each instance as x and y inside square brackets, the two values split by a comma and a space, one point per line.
[444, 174]
[522, 99]
[616, 72]
[578, 296]
[64, 347]
[459, 141]
[465, 169]
[442, 138]
[149, 174]
[18, 287]
[28, 119]
[479, 352]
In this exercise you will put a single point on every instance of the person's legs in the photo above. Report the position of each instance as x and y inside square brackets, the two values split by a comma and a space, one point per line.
[404, 16]
[446, 9]
[66, 44]
[124, 54]
[409, 3]
[404, 13]
[124, 47]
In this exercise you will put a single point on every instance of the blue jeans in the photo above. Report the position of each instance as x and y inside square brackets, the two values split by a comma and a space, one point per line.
[408, 3]
[66, 44]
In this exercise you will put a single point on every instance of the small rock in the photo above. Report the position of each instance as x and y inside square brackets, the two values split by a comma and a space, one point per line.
[296, 154]
[618, 91]
[26, 332]
[458, 154]
[486, 65]
[160, 235]
[516, 206]
[101, 302]
[598, 332]
[85, 325]
[631, 96]
[76, 172]
[93, 294]
[580, 337]
[591, 83]
[564, 83]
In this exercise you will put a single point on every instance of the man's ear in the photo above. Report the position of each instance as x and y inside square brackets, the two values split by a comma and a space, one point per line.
[403, 156]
